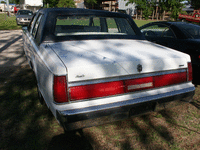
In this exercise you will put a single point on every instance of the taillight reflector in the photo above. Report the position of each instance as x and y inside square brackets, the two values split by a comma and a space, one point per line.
[60, 89]
[189, 71]
[169, 79]
[139, 84]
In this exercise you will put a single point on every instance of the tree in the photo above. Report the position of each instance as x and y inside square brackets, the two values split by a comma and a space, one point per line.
[51, 3]
[195, 4]
[3, 2]
[16, 1]
[175, 7]
[91, 3]
[143, 6]
[66, 3]
[163, 7]
[11, 1]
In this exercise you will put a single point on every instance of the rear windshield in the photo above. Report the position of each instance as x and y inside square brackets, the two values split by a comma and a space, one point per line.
[88, 25]
[191, 29]
[24, 12]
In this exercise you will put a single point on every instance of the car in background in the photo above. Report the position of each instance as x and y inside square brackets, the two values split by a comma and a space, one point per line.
[23, 17]
[181, 36]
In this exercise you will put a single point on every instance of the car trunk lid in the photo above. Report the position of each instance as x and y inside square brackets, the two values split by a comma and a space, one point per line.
[97, 59]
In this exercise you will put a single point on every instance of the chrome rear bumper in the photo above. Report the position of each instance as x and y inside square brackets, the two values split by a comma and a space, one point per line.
[97, 115]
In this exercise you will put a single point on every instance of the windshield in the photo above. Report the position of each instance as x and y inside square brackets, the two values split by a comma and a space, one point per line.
[88, 25]
[191, 29]
[24, 12]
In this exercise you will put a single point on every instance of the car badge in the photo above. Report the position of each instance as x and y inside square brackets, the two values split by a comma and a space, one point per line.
[139, 68]
[80, 76]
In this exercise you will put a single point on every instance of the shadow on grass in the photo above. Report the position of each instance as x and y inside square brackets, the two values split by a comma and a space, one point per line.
[145, 133]
[10, 43]
[196, 104]
[24, 122]
[70, 141]
[169, 119]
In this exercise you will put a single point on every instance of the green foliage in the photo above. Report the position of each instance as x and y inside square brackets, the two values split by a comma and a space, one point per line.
[51, 3]
[195, 4]
[174, 7]
[146, 6]
[163, 5]
[11, 1]
[66, 3]
[16, 1]
[91, 2]
[147, 12]
[3, 2]
[8, 23]
[184, 13]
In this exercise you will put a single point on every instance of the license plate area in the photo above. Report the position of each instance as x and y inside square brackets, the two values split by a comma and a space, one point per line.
[142, 109]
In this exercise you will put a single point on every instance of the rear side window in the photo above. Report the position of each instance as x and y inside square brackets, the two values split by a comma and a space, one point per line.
[158, 30]
[30, 28]
[190, 29]
[25, 12]
[35, 28]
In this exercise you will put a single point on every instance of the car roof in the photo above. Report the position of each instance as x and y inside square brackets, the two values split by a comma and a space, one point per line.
[47, 25]
[169, 23]
[24, 10]
[70, 11]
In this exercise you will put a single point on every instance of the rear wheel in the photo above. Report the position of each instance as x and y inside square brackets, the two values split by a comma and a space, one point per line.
[183, 20]
[80, 131]
[40, 97]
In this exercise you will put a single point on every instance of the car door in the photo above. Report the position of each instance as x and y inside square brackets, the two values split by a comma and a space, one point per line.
[27, 39]
[152, 32]
[33, 46]
[168, 38]
[160, 34]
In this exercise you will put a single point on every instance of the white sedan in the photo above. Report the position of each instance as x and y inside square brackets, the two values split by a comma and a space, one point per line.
[94, 67]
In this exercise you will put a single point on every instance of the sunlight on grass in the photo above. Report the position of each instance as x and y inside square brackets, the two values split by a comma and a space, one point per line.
[8, 23]
[143, 22]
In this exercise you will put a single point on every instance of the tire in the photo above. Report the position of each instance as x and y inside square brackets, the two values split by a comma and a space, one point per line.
[183, 20]
[40, 97]
[80, 131]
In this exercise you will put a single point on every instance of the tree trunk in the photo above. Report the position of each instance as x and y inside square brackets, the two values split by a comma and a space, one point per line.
[157, 12]
[164, 15]
[141, 15]
[136, 14]
[152, 15]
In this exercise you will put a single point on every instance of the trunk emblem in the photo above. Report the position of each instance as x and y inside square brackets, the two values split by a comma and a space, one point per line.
[80, 76]
[139, 68]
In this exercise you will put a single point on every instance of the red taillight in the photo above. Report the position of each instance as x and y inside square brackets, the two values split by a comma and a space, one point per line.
[125, 86]
[60, 89]
[96, 90]
[169, 79]
[189, 71]
[110, 88]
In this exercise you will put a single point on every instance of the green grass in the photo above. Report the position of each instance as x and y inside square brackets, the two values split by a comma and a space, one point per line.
[142, 22]
[8, 23]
